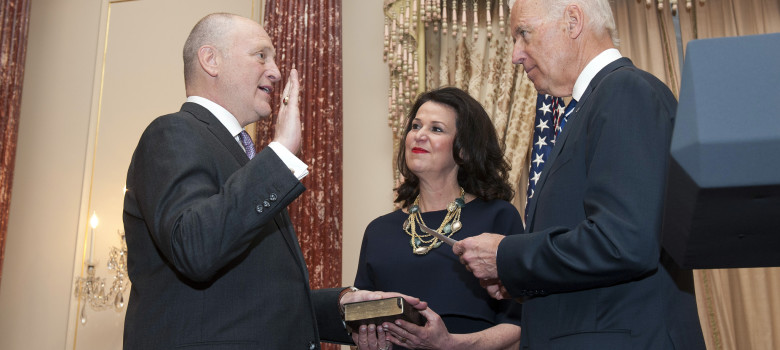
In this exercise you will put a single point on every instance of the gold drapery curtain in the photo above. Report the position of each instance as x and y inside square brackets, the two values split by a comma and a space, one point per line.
[14, 19]
[461, 43]
[647, 35]
[738, 308]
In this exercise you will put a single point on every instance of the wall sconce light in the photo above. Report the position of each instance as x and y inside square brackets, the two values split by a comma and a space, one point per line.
[91, 290]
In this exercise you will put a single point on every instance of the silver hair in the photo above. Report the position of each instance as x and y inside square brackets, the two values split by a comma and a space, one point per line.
[599, 11]
[210, 30]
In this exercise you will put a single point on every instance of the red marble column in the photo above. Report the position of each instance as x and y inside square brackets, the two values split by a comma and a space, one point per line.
[14, 23]
[307, 37]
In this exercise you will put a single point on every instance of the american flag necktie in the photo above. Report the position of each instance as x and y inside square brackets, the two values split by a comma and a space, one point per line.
[566, 114]
[551, 116]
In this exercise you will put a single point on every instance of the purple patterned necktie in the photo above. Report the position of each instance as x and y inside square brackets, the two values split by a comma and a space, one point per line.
[249, 146]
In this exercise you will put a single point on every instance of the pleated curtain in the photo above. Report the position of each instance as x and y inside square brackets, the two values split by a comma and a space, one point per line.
[306, 31]
[14, 19]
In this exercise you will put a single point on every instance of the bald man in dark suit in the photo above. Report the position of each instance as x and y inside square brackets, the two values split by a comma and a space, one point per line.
[212, 254]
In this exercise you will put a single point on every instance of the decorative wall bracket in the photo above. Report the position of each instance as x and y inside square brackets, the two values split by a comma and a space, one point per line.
[91, 290]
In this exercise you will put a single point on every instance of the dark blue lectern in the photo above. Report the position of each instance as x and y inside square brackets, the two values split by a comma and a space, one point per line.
[722, 205]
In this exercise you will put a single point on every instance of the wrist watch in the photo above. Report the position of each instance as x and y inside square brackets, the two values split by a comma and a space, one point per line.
[344, 292]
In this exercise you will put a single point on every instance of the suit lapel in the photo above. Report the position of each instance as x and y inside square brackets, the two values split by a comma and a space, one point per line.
[573, 124]
[221, 133]
[217, 129]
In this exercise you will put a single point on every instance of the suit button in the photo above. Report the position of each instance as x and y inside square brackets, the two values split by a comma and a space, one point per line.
[259, 208]
[272, 197]
[266, 204]
[312, 346]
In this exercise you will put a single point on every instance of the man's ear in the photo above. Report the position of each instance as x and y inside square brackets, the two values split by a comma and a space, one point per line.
[575, 20]
[208, 58]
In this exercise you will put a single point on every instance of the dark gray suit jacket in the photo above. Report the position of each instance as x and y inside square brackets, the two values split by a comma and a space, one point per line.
[590, 262]
[212, 255]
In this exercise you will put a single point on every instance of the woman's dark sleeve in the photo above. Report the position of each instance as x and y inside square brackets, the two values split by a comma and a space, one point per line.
[365, 278]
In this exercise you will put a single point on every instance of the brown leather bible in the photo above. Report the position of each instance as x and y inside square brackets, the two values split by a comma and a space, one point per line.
[378, 311]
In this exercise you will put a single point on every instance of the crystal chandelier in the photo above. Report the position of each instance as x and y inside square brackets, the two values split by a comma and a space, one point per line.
[91, 290]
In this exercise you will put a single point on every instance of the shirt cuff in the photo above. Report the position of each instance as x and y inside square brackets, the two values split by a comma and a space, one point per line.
[298, 167]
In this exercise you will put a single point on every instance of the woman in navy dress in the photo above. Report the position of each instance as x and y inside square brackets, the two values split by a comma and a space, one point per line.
[455, 181]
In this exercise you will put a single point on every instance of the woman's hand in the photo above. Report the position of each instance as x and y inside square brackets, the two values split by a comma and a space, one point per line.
[433, 335]
[371, 338]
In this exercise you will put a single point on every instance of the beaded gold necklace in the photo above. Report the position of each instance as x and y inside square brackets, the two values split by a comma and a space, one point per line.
[424, 243]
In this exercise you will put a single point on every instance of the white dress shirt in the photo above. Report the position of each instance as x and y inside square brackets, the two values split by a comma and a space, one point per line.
[591, 69]
[298, 167]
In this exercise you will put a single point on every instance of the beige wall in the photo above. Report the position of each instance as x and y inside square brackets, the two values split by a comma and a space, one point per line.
[46, 198]
[51, 198]
[368, 144]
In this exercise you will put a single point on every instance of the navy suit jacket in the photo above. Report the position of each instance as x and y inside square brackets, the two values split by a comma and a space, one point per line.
[590, 264]
[212, 255]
